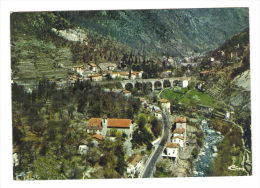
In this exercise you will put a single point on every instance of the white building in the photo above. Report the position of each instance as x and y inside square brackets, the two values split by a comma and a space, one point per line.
[180, 122]
[134, 165]
[79, 69]
[157, 112]
[93, 67]
[96, 77]
[171, 151]
[166, 105]
[184, 83]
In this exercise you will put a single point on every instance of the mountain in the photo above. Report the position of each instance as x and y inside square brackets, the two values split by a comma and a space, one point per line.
[174, 32]
[48, 44]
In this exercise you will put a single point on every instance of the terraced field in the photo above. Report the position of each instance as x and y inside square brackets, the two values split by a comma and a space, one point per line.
[37, 59]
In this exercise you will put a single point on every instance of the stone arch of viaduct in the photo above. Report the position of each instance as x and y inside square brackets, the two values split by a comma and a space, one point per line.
[152, 81]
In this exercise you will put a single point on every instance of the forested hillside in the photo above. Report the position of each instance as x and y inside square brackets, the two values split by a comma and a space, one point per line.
[48, 44]
[174, 32]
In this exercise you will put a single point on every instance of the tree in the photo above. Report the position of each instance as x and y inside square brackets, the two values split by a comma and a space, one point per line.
[156, 127]
[142, 120]
[93, 157]
[121, 164]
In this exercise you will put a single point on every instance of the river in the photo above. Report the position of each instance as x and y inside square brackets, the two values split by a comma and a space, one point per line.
[208, 153]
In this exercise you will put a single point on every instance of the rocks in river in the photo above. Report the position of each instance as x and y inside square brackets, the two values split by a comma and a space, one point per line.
[215, 149]
[195, 172]
[209, 151]
[214, 154]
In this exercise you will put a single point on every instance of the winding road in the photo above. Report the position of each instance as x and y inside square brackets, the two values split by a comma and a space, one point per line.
[147, 173]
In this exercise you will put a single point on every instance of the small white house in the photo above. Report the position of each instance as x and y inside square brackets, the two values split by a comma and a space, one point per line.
[184, 83]
[157, 112]
[96, 77]
[134, 165]
[83, 149]
[166, 105]
[171, 151]
[93, 67]
[180, 122]
[79, 69]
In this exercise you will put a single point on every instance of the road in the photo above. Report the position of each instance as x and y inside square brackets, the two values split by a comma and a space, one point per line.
[151, 164]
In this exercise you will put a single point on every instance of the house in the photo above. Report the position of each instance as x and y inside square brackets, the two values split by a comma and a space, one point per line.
[123, 125]
[93, 67]
[137, 74]
[171, 151]
[134, 165]
[229, 115]
[179, 132]
[107, 66]
[79, 69]
[95, 77]
[184, 83]
[157, 112]
[114, 74]
[98, 137]
[124, 75]
[179, 140]
[83, 147]
[94, 125]
[166, 105]
[126, 93]
[180, 122]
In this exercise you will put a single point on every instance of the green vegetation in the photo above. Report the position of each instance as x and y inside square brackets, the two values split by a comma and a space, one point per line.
[189, 97]
[174, 94]
[142, 134]
[230, 151]
[165, 31]
[48, 125]
[162, 170]
[197, 97]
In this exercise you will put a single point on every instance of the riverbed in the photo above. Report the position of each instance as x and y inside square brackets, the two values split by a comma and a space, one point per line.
[208, 154]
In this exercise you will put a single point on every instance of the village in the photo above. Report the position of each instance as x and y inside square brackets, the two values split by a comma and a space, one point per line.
[180, 141]
[123, 114]
[102, 128]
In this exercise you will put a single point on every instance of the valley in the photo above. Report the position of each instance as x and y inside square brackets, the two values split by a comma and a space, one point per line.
[109, 94]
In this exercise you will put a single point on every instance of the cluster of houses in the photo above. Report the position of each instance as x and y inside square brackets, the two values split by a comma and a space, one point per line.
[177, 139]
[100, 72]
[101, 128]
